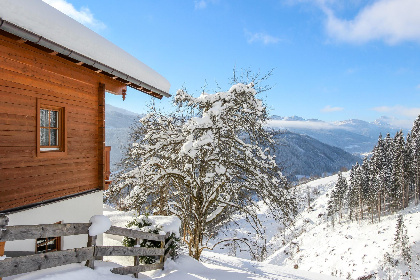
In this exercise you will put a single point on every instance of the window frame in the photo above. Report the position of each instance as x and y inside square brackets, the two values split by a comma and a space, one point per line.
[56, 239]
[62, 133]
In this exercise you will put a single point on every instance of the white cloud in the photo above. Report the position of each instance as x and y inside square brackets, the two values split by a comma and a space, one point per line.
[84, 15]
[261, 37]
[329, 109]
[399, 110]
[392, 21]
[202, 4]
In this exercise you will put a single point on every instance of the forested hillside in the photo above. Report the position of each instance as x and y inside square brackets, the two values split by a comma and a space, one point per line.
[385, 183]
[301, 155]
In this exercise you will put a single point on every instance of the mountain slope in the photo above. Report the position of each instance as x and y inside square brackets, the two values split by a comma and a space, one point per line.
[117, 129]
[301, 155]
[350, 249]
[354, 136]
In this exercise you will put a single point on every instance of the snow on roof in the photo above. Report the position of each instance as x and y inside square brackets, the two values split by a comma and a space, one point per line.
[50, 24]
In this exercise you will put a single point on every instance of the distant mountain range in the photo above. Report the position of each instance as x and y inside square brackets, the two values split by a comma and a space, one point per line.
[304, 148]
[354, 136]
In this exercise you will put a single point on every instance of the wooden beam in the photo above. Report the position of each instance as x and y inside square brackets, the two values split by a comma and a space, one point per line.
[101, 136]
[41, 231]
[102, 251]
[136, 269]
[18, 265]
[135, 234]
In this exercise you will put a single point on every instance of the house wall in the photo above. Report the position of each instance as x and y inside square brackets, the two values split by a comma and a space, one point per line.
[27, 75]
[73, 210]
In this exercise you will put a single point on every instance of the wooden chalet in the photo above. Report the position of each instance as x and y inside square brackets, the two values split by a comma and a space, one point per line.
[54, 73]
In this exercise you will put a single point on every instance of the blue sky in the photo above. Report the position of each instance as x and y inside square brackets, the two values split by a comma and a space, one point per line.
[332, 59]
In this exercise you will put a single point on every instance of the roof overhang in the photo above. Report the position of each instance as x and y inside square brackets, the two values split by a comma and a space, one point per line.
[79, 45]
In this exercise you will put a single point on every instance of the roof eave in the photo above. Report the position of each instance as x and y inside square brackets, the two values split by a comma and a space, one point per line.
[76, 57]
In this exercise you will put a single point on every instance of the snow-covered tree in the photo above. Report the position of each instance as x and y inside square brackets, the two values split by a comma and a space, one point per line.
[206, 162]
[352, 194]
[377, 162]
[336, 203]
[415, 148]
[399, 260]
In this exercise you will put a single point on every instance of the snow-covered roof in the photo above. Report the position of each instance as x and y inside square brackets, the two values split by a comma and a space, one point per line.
[38, 22]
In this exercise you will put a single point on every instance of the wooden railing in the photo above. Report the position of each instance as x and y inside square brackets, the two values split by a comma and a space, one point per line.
[24, 264]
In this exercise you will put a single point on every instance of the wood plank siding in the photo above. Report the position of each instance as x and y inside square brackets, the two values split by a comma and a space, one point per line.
[29, 76]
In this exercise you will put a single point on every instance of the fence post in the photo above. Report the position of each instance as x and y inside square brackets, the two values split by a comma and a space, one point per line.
[162, 258]
[91, 243]
[4, 221]
[137, 258]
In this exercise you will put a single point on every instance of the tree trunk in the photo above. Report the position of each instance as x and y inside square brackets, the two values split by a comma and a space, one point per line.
[361, 204]
[196, 244]
[417, 191]
[379, 205]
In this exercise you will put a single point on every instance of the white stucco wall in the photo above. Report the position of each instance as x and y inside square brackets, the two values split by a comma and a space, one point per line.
[73, 210]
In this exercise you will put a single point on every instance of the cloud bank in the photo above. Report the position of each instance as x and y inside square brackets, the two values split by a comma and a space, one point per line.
[411, 113]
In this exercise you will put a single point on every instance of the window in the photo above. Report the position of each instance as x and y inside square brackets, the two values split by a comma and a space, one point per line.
[49, 244]
[50, 128]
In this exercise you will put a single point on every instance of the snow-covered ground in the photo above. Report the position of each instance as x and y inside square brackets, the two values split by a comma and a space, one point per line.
[213, 265]
[349, 250]
[185, 268]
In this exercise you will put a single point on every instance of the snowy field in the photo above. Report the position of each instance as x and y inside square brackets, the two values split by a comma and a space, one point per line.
[350, 248]
[348, 251]
[213, 265]
[185, 268]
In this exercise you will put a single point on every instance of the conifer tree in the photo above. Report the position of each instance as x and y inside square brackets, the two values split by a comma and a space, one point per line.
[341, 190]
[352, 197]
[397, 264]
[377, 163]
[415, 148]
[401, 241]
[398, 161]
[387, 170]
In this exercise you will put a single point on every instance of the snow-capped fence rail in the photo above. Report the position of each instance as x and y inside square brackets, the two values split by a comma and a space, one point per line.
[24, 264]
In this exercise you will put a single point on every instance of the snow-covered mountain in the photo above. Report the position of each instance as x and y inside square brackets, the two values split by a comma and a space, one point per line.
[299, 155]
[117, 129]
[354, 136]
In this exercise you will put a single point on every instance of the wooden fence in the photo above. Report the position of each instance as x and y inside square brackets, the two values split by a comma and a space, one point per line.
[18, 265]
